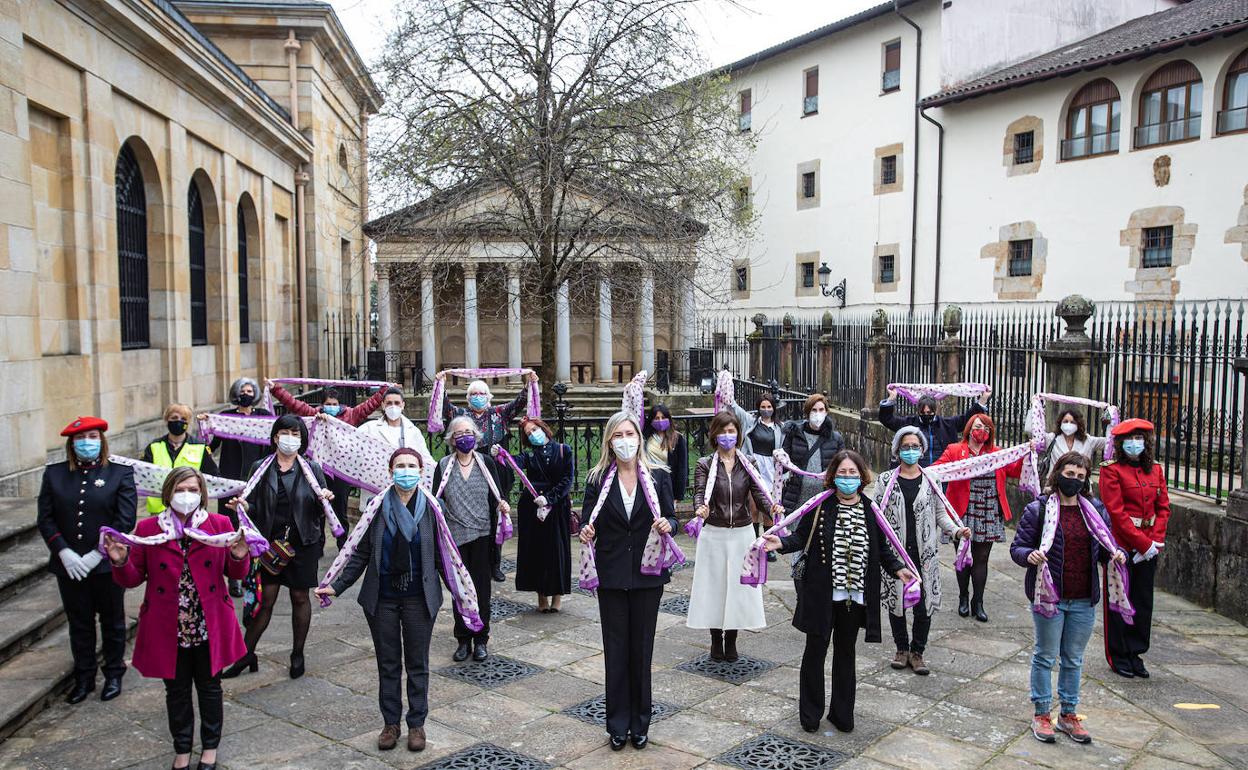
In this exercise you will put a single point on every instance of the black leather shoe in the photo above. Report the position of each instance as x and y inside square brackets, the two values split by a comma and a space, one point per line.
[1124, 669]
[112, 688]
[640, 741]
[82, 688]
[618, 742]
[809, 728]
[480, 652]
[499, 577]
[246, 663]
[771, 556]
[207, 766]
[1137, 668]
[978, 609]
[964, 606]
[849, 728]
[296, 665]
[462, 652]
[236, 589]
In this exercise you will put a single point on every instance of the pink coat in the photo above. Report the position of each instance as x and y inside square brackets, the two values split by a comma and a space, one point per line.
[156, 647]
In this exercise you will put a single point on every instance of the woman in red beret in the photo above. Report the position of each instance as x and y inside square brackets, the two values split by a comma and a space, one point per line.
[78, 496]
[1133, 488]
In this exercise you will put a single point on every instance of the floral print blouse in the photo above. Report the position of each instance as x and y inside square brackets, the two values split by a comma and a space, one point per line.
[192, 629]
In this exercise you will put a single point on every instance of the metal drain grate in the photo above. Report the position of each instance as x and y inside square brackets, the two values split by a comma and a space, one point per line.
[680, 567]
[507, 565]
[484, 755]
[769, 751]
[743, 669]
[501, 609]
[594, 711]
[677, 605]
[576, 589]
[492, 672]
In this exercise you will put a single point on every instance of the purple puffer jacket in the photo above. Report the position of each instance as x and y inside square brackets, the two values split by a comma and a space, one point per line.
[1027, 539]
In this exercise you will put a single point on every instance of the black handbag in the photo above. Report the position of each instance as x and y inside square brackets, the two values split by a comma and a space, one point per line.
[799, 566]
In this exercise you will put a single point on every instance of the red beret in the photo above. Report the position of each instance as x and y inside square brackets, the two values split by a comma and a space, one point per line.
[82, 424]
[1127, 427]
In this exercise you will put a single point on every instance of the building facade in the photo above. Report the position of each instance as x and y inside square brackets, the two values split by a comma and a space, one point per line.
[169, 168]
[1015, 194]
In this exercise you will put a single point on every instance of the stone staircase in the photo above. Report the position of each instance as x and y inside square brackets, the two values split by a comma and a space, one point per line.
[588, 401]
[35, 662]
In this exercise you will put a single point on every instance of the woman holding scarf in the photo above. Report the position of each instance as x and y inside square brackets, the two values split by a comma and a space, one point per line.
[722, 488]
[622, 493]
[811, 443]
[838, 591]
[761, 435]
[918, 516]
[177, 448]
[187, 629]
[467, 487]
[1133, 488]
[543, 545]
[401, 596]
[1071, 435]
[77, 497]
[668, 447]
[1060, 537]
[982, 504]
[290, 514]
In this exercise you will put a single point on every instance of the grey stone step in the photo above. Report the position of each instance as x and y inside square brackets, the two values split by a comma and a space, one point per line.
[23, 563]
[29, 616]
[17, 519]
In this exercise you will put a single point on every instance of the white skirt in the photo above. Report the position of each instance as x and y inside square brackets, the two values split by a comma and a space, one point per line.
[718, 600]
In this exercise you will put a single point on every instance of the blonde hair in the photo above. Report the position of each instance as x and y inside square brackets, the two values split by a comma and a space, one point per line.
[607, 454]
[182, 410]
[176, 477]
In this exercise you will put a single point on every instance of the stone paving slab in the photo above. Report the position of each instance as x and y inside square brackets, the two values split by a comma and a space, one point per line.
[972, 712]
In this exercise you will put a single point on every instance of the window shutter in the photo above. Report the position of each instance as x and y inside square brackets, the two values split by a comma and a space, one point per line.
[892, 56]
[812, 83]
[1101, 90]
[1173, 74]
[746, 102]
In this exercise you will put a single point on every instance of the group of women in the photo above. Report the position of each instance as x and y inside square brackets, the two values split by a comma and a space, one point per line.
[847, 568]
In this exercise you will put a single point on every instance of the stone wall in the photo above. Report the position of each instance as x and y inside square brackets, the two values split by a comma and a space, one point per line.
[1206, 557]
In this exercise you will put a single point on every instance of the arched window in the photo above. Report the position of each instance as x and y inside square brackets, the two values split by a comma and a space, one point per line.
[199, 265]
[342, 157]
[132, 251]
[1092, 121]
[244, 312]
[1234, 114]
[1170, 105]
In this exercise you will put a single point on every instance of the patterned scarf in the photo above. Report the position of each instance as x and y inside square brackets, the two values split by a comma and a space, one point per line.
[849, 548]
[437, 400]
[661, 551]
[544, 510]
[963, 558]
[694, 527]
[1117, 581]
[912, 392]
[989, 462]
[754, 568]
[1035, 418]
[268, 395]
[634, 398]
[172, 530]
[725, 391]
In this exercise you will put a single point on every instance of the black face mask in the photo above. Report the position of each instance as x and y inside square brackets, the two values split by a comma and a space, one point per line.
[245, 399]
[926, 419]
[176, 427]
[1068, 486]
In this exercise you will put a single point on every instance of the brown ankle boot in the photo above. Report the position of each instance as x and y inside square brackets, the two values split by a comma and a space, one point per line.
[388, 738]
[416, 739]
[730, 646]
[717, 644]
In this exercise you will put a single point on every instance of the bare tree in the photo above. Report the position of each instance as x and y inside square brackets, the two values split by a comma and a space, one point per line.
[559, 132]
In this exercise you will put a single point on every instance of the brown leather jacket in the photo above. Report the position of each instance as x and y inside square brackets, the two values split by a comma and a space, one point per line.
[728, 499]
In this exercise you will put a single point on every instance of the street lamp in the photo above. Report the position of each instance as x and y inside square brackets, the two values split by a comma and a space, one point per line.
[825, 277]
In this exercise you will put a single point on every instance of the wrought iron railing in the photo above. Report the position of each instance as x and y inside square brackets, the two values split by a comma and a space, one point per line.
[1091, 144]
[1233, 120]
[1168, 131]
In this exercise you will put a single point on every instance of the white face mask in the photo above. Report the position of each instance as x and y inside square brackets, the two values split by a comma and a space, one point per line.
[817, 418]
[288, 445]
[1069, 428]
[624, 448]
[184, 502]
[393, 412]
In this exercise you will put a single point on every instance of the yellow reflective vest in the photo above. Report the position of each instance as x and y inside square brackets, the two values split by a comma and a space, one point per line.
[192, 456]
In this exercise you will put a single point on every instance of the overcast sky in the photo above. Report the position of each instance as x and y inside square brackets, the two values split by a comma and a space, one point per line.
[729, 33]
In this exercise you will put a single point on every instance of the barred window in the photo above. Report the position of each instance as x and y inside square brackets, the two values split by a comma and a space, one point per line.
[1024, 147]
[1020, 258]
[808, 275]
[887, 269]
[199, 265]
[132, 251]
[888, 169]
[1158, 246]
[244, 310]
[808, 184]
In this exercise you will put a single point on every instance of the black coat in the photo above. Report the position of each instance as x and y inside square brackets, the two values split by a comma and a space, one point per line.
[620, 539]
[940, 432]
[828, 444]
[543, 548]
[814, 592]
[305, 506]
[1027, 539]
[73, 505]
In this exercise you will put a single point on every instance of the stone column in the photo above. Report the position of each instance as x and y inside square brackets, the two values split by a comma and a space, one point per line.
[645, 320]
[755, 339]
[472, 338]
[604, 364]
[385, 319]
[515, 350]
[428, 342]
[877, 366]
[563, 335]
[1068, 359]
[949, 349]
[786, 351]
[1237, 503]
[826, 354]
[688, 328]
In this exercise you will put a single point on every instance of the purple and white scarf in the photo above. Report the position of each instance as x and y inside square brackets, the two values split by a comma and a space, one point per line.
[1035, 418]
[172, 530]
[463, 592]
[505, 529]
[437, 399]
[912, 391]
[352, 455]
[725, 391]
[694, 527]
[369, 384]
[247, 428]
[634, 398]
[542, 511]
[963, 558]
[989, 462]
[1117, 581]
[149, 479]
[334, 525]
[661, 551]
[754, 569]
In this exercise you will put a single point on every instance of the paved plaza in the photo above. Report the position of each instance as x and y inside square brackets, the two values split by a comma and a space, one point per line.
[534, 705]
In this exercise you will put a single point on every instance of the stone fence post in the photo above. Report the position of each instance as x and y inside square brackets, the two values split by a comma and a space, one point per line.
[787, 338]
[949, 348]
[877, 366]
[1237, 504]
[1068, 359]
[825, 354]
[755, 340]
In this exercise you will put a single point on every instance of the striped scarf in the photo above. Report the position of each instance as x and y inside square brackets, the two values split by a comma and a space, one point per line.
[849, 548]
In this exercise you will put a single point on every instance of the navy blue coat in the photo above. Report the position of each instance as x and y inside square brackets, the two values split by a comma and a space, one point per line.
[1027, 539]
[940, 432]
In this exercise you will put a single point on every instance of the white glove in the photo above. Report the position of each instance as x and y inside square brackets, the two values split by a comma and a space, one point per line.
[75, 567]
[92, 560]
[1149, 554]
[540, 501]
[493, 450]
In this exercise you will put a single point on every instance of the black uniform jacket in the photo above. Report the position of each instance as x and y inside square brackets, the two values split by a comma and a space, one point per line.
[73, 505]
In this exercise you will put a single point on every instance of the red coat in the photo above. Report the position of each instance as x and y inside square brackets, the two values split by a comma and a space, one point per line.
[156, 647]
[352, 416]
[1130, 493]
[959, 492]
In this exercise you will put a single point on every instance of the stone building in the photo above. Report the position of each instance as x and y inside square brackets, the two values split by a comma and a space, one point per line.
[183, 185]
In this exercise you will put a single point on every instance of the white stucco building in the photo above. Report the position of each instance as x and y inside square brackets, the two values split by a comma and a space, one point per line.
[1066, 146]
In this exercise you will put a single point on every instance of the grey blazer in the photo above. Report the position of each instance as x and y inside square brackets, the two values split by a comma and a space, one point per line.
[367, 561]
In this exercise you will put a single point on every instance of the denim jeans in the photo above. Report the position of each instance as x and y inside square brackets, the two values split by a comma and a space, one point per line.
[1066, 635]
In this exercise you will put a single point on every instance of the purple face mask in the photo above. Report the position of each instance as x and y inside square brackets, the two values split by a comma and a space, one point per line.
[726, 441]
[661, 424]
[465, 443]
